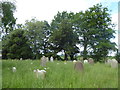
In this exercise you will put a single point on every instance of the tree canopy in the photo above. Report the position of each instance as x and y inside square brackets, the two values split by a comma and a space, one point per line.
[7, 13]
[91, 29]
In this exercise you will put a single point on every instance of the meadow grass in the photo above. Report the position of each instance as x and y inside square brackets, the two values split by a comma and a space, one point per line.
[0, 74]
[59, 75]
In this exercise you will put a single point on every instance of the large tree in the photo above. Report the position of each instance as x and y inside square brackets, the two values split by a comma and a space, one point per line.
[63, 36]
[37, 33]
[7, 13]
[15, 46]
[96, 31]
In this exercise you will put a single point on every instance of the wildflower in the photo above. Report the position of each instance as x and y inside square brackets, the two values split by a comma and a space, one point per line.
[57, 63]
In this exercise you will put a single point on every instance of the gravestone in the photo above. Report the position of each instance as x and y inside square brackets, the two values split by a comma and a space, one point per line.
[113, 63]
[51, 59]
[43, 61]
[21, 59]
[74, 61]
[85, 61]
[108, 62]
[78, 66]
[91, 61]
[47, 59]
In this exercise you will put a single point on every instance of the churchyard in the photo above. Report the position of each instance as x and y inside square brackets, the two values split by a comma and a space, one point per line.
[59, 74]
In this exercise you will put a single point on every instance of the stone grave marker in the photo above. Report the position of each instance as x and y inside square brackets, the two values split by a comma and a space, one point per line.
[51, 59]
[79, 66]
[90, 61]
[43, 61]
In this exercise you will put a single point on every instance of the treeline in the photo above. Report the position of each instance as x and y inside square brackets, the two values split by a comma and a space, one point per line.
[91, 30]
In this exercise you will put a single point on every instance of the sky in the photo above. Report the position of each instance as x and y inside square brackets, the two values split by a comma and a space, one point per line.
[47, 9]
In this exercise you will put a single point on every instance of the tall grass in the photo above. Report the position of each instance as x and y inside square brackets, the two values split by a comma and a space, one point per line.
[58, 75]
[0, 74]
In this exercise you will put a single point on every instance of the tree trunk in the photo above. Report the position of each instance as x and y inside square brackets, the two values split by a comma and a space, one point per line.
[72, 57]
[66, 56]
[85, 51]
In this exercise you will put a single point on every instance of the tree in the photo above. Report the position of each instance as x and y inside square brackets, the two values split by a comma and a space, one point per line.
[15, 46]
[117, 56]
[82, 26]
[37, 33]
[63, 36]
[101, 41]
[8, 20]
[96, 30]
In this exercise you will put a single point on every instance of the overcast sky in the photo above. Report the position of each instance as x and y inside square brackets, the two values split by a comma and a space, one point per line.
[47, 9]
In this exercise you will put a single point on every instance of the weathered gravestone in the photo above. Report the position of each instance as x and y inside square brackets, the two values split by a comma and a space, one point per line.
[47, 59]
[51, 59]
[113, 63]
[90, 61]
[43, 61]
[108, 62]
[85, 61]
[78, 66]
[74, 61]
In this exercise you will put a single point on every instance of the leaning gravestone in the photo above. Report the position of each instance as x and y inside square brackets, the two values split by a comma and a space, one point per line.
[43, 61]
[47, 59]
[114, 63]
[78, 66]
[51, 59]
[90, 61]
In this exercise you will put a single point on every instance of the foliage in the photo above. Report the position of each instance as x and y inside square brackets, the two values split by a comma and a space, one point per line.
[15, 46]
[63, 36]
[96, 30]
[91, 29]
[37, 33]
[8, 20]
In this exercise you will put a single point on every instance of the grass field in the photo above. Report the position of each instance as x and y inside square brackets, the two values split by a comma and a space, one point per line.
[58, 75]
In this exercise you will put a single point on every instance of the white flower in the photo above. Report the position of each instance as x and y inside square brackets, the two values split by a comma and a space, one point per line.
[45, 68]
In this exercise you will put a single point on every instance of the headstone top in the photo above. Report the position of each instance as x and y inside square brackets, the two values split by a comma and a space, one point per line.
[91, 61]
[43, 61]
[51, 59]
[78, 66]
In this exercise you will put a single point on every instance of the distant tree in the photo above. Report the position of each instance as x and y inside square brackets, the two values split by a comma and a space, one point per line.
[101, 40]
[81, 24]
[8, 20]
[37, 33]
[63, 36]
[95, 30]
[15, 46]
